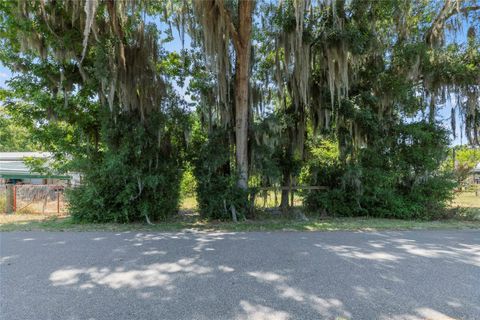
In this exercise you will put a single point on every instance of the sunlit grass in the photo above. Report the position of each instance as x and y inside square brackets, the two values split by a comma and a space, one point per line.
[189, 203]
[466, 200]
[25, 217]
[467, 205]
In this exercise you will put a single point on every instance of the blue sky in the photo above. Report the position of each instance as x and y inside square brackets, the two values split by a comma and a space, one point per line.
[5, 74]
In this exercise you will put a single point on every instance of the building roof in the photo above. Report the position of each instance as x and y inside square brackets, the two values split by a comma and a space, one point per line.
[18, 156]
[12, 166]
[476, 169]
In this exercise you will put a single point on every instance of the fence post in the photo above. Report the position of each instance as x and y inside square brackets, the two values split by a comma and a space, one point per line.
[58, 201]
[14, 198]
[10, 199]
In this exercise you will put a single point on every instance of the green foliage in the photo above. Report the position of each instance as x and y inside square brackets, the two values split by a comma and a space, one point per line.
[461, 160]
[107, 113]
[397, 176]
[136, 177]
[188, 184]
[217, 189]
[12, 136]
[467, 156]
[68, 127]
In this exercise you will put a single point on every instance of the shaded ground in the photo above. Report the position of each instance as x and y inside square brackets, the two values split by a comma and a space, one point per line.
[259, 275]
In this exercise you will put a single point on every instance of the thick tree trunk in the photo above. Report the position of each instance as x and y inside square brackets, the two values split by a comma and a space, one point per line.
[241, 117]
[242, 70]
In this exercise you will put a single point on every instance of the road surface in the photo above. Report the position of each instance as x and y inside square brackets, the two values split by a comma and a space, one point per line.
[259, 275]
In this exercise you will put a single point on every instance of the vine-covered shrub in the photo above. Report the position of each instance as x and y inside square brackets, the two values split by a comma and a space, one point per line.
[217, 191]
[397, 176]
[135, 177]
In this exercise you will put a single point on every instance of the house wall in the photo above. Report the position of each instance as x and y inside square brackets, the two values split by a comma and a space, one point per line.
[35, 181]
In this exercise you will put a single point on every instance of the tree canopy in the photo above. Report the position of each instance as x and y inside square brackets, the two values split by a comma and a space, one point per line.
[345, 94]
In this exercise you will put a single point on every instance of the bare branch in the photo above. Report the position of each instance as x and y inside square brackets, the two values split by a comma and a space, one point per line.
[229, 22]
[463, 10]
[449, 9]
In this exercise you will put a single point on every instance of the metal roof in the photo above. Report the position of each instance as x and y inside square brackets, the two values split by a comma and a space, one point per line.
[18, 156]
[12, 166]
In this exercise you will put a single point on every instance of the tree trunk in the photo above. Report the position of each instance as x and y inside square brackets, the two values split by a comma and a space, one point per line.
[284, 202]
[241, 118]
[431, 107]
[242, 70]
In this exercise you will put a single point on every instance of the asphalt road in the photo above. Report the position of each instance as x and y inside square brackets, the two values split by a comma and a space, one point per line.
[280, 275]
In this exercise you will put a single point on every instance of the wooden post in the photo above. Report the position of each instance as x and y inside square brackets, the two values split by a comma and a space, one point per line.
[292, 196]
[10, 207]
[14, 198]
[58, 201]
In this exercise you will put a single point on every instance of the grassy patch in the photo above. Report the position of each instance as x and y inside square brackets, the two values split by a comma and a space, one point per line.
[466, 200]
[189, 204]
[331, 224]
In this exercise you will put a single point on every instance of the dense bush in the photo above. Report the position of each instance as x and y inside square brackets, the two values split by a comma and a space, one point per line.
[135, 177]
[216, 186]
[397, 176]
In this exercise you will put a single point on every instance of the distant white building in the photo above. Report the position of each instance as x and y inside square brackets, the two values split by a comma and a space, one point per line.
[14, 170]
[476, 174]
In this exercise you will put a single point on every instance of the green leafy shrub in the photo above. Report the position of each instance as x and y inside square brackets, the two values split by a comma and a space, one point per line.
[135, 177]
[396, 176]
[216, 186]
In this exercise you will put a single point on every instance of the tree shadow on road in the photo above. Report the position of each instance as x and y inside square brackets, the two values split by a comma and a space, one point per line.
[200, 275]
